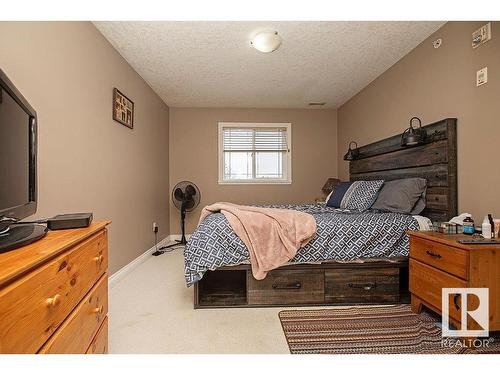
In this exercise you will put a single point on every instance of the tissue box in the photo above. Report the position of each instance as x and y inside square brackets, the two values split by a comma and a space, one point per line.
[447, 228]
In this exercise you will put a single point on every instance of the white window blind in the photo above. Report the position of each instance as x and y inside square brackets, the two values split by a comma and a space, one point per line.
[252, 153]
[255, 139]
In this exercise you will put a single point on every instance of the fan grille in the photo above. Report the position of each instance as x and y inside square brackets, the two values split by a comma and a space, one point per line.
[188, 193]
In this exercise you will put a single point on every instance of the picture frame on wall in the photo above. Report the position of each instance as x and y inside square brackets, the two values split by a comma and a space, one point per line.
[123, 109]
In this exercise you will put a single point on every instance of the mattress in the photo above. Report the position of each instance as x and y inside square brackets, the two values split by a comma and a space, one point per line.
[341, 236]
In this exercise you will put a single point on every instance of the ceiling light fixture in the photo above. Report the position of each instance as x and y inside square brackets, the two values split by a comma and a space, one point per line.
[266, 41]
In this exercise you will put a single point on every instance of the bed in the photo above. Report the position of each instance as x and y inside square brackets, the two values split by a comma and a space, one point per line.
[354, 257]
[341, 236]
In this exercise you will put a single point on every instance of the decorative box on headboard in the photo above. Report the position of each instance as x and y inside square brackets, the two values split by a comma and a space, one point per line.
[435, 160]
[329, 185]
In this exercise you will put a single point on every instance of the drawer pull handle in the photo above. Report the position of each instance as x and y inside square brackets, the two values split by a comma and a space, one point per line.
[434, 255]
[99, 259]
[455, 301]
[295, 285]
[365, 286]
[98, 310]
[53, 301]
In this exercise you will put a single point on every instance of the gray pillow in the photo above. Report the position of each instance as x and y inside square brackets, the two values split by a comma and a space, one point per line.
[405, 196]
[420, 205]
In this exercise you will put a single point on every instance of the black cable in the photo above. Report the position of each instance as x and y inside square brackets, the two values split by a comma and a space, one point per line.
[156, 252]
[156, 238]
[41, 221]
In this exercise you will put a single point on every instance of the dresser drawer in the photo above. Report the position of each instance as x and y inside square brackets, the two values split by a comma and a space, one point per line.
[76, 333]
[33, 307]
[287, 287]
[362, 285]
[100, 342]
[426, 282]
[446, 258]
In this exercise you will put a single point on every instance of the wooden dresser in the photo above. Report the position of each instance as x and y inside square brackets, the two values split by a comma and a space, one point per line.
[438, 261]
[54, 294]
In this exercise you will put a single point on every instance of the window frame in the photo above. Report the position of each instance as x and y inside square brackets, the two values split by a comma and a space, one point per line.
[254, 181]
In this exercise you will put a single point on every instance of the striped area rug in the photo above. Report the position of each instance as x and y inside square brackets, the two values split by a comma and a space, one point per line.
[368, 330]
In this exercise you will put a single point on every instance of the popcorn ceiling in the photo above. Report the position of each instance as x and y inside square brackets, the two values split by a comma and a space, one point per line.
[212, 64]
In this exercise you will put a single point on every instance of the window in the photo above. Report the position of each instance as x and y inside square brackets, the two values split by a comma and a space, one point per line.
[254, 153]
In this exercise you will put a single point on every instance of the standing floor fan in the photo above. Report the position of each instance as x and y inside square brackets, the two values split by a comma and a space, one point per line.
[186, 197]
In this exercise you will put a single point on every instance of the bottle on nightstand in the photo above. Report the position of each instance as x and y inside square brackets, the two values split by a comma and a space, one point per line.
[486, 228]
[469, 225]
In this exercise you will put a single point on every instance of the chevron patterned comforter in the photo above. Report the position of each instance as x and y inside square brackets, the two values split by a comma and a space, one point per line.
[340, 236]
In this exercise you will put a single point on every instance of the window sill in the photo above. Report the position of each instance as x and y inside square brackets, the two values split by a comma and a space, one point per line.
[255, 182]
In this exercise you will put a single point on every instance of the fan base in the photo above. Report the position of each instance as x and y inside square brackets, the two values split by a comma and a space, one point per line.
[170, 247]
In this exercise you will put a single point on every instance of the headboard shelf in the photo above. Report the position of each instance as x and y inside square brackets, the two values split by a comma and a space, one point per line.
[435, 132]
[427, 154]
[435, 160]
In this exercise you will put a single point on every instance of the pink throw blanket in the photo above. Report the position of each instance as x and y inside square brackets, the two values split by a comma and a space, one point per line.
[271, 235]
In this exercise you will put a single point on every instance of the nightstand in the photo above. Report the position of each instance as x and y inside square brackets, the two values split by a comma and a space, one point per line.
[438, 261]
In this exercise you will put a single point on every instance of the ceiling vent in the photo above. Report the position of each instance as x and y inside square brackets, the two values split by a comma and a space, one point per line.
[316, 104]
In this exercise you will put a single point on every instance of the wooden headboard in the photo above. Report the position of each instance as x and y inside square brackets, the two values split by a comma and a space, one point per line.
[435, 160]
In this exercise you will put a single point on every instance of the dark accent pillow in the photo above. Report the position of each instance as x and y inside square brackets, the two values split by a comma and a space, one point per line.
[357, 195]
[338, 193]
[406, 196]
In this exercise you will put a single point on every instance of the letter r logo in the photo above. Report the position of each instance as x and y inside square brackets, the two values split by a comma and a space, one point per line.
[480, 314]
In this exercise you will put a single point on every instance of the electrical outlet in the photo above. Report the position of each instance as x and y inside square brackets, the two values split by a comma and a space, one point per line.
[437, 43]
[155, 227]
[481, 35]
[482, 76]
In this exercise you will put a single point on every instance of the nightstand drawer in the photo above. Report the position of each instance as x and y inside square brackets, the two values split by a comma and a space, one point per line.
[427, 282]
[446, 258]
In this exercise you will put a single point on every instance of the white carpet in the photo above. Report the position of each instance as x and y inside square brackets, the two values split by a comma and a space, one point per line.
[151, 311]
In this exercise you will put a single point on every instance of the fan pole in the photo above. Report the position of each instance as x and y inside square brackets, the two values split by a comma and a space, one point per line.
[180, 242]
[183, 240]
[183, 192]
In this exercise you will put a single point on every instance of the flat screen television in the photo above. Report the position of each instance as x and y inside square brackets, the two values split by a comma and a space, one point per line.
[18, 178]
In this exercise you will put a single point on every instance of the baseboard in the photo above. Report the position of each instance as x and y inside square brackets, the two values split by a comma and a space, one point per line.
[122, 272]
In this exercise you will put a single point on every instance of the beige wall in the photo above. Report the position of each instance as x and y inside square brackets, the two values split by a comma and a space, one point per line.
[193, 156]
[86, 161]
[435, 84]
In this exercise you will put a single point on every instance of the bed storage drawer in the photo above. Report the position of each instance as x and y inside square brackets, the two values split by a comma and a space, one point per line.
[368, 285]
[287, 287]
